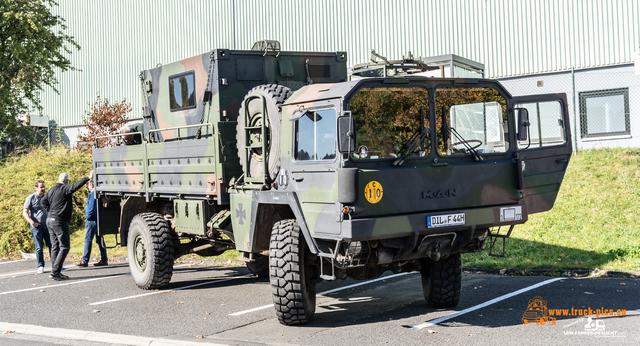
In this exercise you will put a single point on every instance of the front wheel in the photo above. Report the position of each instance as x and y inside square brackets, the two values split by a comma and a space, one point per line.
[442, 281]
[150, 251]
[292, 285]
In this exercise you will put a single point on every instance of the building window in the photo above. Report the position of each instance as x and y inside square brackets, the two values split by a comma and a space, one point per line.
[604, 113]
[316, 135]
[182, 91]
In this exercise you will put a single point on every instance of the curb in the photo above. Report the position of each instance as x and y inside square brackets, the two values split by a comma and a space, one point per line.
[108, 338]
[195, 261]
[553, 272]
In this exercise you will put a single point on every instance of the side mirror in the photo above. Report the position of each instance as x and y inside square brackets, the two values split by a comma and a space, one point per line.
[346, 133]
[523, 123]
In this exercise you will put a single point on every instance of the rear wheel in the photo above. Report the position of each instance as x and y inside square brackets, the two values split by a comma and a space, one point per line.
[292, 285]
[150, 251]
[442, 281]
[259, 266]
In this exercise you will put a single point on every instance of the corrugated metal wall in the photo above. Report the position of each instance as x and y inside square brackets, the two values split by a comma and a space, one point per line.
[120, 38]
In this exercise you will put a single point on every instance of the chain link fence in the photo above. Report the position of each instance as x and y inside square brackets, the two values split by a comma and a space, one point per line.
[603, 103]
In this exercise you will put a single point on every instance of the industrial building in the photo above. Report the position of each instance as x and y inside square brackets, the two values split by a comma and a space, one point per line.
[588, 49]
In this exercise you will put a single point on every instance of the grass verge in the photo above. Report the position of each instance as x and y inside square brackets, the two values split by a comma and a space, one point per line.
[594, 223]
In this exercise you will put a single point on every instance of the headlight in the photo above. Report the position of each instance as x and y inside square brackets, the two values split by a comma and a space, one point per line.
[355, 248]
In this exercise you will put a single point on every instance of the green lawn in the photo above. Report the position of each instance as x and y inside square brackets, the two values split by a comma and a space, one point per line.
[594, 223]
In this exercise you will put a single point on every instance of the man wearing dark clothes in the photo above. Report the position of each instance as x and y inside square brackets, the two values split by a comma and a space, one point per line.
[58, 203]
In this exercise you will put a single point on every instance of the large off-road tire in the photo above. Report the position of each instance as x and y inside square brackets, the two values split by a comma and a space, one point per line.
[150, 250]
[293, 288]
[260, 266]
[274, 95]
[442, 281]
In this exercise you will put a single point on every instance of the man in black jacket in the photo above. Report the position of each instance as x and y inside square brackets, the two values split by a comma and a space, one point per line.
[59, 204]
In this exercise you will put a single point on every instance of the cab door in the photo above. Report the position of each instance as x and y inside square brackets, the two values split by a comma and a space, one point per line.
[543, 148]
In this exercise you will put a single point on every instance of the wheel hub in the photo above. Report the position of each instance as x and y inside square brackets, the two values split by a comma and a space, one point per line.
[140, 253]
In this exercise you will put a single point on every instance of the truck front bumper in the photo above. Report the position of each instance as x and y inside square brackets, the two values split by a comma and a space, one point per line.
[405, 225]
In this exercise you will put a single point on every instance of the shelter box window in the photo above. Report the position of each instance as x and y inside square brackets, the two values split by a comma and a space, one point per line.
[182, 91]
[391, 122]
[471, 119]
[315, 135]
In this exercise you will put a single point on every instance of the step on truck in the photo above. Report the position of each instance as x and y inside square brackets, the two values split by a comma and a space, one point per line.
[315, 174]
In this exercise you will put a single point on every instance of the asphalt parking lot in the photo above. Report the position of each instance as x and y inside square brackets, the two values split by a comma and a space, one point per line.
[226, 305]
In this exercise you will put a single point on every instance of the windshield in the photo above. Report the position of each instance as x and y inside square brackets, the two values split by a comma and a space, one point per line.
[390, 122]
[475, 119]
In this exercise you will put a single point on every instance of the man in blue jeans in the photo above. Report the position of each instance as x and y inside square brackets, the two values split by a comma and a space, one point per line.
[36, 215]
[92, 230]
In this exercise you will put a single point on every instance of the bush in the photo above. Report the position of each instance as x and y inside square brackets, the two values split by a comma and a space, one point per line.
[103, 119]
[18, 175]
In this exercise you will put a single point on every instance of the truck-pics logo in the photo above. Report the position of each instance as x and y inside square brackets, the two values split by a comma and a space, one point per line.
[537, 312]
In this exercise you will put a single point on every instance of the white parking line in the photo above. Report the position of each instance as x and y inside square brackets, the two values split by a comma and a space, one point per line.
[169, 290]
[34, 271]
[22, 260]
[64, 284]
[485, 304]
[325, 292]
[86, 335]
[72, 282]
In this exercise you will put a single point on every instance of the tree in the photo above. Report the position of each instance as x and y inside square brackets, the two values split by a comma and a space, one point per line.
[33, 46]
[103, 119]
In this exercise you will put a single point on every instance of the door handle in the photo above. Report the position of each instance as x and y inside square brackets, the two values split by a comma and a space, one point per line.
[562, 160]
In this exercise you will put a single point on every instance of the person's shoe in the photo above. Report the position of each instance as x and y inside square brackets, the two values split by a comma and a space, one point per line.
[101, 263]
[81, 264]
[58, 277]
[40, 270]
[64, 276]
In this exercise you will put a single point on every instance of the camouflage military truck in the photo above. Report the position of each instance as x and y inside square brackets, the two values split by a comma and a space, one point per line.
[315, 175]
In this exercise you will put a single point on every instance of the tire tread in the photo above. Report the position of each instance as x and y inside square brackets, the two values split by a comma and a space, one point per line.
[443, 282]
[160, 251]
[285, 272]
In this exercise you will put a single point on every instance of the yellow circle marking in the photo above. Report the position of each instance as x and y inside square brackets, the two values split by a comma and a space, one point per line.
[373, 192]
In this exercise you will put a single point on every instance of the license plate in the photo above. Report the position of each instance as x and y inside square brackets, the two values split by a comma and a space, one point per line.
[445, 220]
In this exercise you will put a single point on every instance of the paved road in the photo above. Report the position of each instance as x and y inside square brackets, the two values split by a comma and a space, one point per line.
[229, 306]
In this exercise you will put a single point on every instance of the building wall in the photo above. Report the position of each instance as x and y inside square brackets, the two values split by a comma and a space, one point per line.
[595, 80]
[119, 38]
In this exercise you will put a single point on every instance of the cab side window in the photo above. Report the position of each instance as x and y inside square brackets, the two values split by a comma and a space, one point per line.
[316, 135]
[546, 127]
